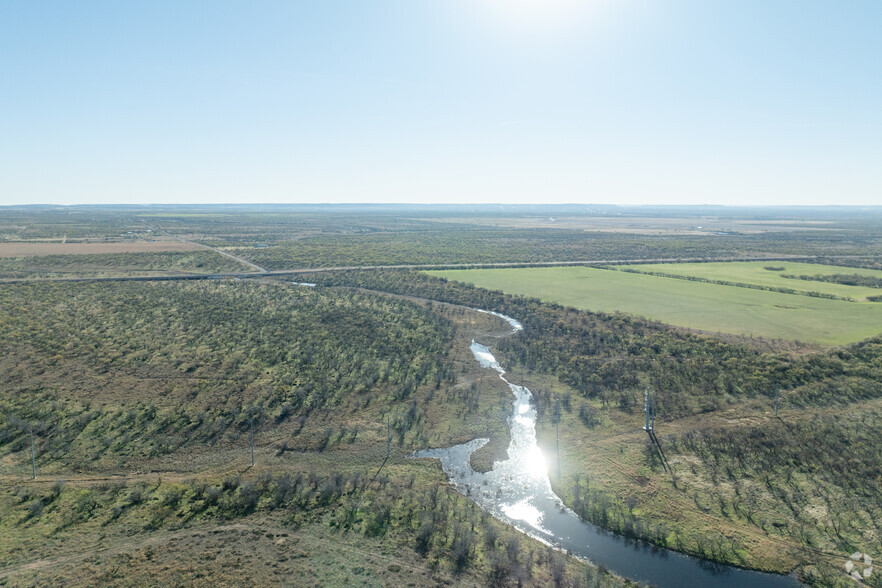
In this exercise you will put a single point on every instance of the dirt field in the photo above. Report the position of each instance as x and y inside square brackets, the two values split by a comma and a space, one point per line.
[36, 249]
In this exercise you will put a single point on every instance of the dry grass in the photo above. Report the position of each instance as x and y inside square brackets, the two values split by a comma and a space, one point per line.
[256, 550]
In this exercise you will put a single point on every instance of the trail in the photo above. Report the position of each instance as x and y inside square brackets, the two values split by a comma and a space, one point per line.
[216, 250]
[233, 257]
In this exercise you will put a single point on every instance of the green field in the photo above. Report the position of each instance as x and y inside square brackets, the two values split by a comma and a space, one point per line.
[754, 272]
[697, 305]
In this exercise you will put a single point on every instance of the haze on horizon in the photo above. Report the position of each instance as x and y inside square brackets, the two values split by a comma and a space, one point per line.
[442, 101]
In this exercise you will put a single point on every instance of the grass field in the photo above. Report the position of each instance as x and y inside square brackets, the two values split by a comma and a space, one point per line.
[754, 272]
[697, 305]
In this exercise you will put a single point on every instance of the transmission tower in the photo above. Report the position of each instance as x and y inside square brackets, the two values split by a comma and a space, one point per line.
[649, 408]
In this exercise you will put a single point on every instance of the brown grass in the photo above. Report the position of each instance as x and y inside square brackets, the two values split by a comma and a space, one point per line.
[257, 548]
[37, 249]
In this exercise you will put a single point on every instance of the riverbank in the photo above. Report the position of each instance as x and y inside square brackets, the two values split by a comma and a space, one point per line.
[613, 474]
[518, 491]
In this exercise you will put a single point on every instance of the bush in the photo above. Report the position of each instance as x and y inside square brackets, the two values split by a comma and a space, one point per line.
[588, 416]
[242, 501]
[35, 509]
[24, 494]
[136, 496]
[212, 496]
[56, 489]
[84, 506]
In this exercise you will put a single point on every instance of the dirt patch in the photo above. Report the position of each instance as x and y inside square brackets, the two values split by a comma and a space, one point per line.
[37, 249]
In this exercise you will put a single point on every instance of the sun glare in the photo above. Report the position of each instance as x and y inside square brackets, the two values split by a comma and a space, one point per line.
[537, 16]
[534, 463]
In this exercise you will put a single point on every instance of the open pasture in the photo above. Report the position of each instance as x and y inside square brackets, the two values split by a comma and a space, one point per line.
[755, 273]
[697, 305]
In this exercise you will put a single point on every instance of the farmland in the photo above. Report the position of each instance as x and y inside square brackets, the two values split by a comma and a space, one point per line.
[771, 274]
[696, 305]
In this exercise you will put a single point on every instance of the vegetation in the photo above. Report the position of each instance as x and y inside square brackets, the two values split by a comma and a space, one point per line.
[726, 480]
[782, 290]
[697, 305]
[120, 378]
[142, 396]
[329, 528]
[290, 237]
[445, 245]
[610, 357]
[846, 279]
[118, 264]
[783, 278]
[199, 360]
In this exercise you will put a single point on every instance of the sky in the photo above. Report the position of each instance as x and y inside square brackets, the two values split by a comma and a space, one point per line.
[752, 102]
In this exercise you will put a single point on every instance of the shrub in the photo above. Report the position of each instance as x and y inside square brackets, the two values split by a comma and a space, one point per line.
[136, 496]
[35, 509]
[84, 506]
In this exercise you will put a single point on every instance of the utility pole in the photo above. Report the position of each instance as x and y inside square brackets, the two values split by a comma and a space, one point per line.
[646, 408]
[33, 457]
[653, 411]
[388, 437]
[252, 441]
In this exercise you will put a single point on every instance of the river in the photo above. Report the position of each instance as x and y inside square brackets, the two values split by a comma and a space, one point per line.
[518, 491]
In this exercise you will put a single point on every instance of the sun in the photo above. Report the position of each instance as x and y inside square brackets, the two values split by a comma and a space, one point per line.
[538, 16]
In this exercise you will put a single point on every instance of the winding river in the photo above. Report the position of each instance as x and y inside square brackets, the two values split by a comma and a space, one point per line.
[518, 491]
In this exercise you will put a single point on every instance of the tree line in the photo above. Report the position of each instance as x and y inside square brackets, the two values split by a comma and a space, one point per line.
[612, 356]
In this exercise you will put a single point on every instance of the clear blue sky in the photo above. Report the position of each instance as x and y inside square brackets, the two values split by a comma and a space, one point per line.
[600, 101]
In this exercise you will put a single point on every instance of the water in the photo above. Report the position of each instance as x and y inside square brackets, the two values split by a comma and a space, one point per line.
[515, 325]
[518, 491]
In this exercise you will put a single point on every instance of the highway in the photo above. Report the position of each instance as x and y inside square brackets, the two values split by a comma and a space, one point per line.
[262, 272]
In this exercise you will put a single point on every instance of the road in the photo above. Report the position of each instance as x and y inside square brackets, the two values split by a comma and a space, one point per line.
[262, 272]
[216, 250]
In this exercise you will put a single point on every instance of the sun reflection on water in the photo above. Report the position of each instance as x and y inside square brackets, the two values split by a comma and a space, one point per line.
[524, 511]
[534, 464]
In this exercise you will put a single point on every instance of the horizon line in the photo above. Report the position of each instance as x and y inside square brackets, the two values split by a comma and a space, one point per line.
[437, 204]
